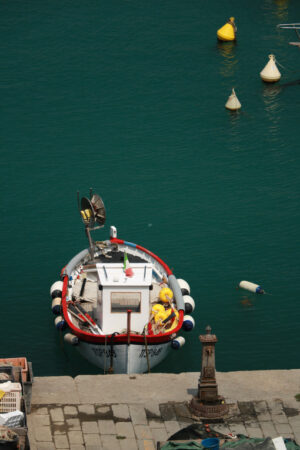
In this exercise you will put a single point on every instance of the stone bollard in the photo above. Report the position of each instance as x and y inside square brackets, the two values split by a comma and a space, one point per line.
[208, 404]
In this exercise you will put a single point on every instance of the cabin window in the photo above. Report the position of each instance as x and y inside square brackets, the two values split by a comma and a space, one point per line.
[122, 301]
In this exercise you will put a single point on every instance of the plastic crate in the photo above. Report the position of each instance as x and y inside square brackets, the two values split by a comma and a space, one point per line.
[17, 362]
[9, 371]
[11, 401]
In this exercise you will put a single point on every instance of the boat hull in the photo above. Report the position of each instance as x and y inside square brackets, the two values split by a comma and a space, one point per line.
[124, 358]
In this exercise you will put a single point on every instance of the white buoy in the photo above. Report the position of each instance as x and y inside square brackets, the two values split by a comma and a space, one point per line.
[270, 73]
[233, 102]
[252, 287]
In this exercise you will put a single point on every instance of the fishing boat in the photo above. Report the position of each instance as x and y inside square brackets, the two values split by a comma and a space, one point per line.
[118, 303]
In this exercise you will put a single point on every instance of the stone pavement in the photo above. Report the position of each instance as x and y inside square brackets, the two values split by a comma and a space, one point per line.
[116, 412]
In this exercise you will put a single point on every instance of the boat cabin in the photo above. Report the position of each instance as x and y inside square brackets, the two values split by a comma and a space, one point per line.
[119, 293]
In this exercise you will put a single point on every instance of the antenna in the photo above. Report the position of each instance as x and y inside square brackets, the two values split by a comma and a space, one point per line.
[93, 215]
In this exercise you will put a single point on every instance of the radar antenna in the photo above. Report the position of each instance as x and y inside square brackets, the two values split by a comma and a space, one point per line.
[93, 215]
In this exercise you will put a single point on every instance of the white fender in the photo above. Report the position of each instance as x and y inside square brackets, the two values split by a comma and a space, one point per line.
[71, 339]
[184, 286]
[60, 322]
[178, 342]
[188, 323]
[56, 305]
[189, 304]
[56, 289]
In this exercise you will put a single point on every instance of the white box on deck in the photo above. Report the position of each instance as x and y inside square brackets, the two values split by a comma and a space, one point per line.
[115, 284]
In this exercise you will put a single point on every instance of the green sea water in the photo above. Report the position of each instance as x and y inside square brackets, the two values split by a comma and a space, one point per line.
[128, 96]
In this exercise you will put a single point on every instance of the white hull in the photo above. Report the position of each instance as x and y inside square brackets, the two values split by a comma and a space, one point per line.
[126, 358]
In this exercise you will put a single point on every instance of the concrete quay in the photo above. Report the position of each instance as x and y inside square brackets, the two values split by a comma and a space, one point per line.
[134, 412]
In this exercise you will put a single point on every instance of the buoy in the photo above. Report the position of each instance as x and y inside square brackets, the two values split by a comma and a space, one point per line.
[56, 289]
[60, 323]
[188, 323]
[184, 286]
[233, 102]
[71, 339]
[157, 308]
[189, 304]
[178, 342]
[165, 294]
[228, 31]
[56, 305]
[252, 287]
[270, 73]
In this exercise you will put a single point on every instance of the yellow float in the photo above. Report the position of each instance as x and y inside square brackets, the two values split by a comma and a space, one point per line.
[228, 31]
[165, 295]
[162, 322]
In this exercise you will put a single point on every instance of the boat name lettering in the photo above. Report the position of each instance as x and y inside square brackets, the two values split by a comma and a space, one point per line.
[103, 351]
[151, 352]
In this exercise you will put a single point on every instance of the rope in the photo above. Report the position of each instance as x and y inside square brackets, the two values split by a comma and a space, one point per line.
[146, 348]
[286, 68]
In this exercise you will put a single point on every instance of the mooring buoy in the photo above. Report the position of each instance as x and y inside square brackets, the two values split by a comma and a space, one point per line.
[228, 31]
[233, 102]
[252, 287]
[270, 73]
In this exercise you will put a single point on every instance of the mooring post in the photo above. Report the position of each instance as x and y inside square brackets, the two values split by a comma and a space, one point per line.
[208, 404]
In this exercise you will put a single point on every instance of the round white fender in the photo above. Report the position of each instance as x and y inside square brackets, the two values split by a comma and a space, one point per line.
[189, 304]
[60, 322]
[56, 305]
[71, 339]
[56, 289]
[178, 342]
[184, 286]
[188, 323]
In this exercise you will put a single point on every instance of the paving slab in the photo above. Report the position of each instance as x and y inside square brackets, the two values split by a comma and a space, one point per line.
[120, 412]
[125, 429]
[61, 441]
[129, 444]
[110, 442]
[146, 445]
[143, 432]
[107, 427]
[138, 415]
[54, 390]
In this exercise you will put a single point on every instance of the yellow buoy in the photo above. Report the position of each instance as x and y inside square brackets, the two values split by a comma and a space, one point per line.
[233, 102]
[270, 73]
[228, 31]
[165, 294]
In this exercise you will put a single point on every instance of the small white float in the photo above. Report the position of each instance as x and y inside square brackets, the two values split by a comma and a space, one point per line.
[252, 287]
[233, 102]
[270, 73]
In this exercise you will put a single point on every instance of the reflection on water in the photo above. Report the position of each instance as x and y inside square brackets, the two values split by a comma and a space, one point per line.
[282, 9]
[228, 52]
[278, 9]
[271, 100]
